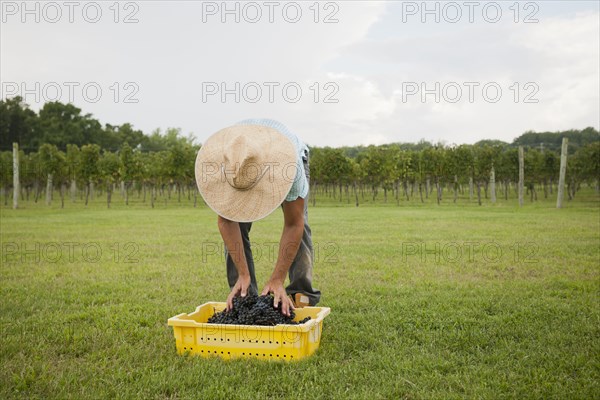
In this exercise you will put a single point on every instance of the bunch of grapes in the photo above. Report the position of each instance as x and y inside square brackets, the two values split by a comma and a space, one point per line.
[254, 310]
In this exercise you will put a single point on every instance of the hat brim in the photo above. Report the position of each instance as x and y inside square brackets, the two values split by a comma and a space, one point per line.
[278, 156]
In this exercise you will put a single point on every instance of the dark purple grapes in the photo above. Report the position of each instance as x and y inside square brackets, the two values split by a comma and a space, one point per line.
[254, 310]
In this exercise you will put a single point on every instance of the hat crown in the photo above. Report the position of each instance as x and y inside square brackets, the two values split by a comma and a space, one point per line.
[240, 166]
[240, 171]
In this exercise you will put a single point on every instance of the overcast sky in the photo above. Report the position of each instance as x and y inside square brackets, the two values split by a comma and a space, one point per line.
[336, 73]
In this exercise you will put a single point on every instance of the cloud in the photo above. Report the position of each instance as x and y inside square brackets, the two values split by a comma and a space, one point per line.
[368, 56]
[554, 62]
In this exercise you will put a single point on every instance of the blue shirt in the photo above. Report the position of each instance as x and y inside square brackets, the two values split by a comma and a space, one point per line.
[300, 185]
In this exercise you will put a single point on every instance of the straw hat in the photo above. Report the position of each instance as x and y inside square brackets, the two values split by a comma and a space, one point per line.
[244, 172]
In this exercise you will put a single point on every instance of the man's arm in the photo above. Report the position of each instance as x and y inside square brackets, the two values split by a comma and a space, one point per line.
[293, 228]
[232, 236]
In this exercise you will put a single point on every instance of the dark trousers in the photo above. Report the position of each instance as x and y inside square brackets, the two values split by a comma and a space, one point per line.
[300, 272]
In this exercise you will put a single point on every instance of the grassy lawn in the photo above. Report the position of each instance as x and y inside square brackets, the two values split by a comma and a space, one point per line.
[427, 301]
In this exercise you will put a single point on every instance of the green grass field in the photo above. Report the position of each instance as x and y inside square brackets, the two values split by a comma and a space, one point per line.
[427, 301]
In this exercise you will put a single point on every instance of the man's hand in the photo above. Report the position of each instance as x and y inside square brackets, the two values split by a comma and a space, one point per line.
[230, 231]
[241, 288]
[279, 294]
[293, 227]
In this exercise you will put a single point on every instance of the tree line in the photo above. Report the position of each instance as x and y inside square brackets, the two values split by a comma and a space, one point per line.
[81, 170]
[61, 125]
[403, 173]
[65, 151]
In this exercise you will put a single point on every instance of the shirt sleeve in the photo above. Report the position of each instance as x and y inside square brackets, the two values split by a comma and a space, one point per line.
[300, 185]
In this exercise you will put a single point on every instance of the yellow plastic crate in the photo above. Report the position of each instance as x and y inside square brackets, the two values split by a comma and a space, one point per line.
[280, 342]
